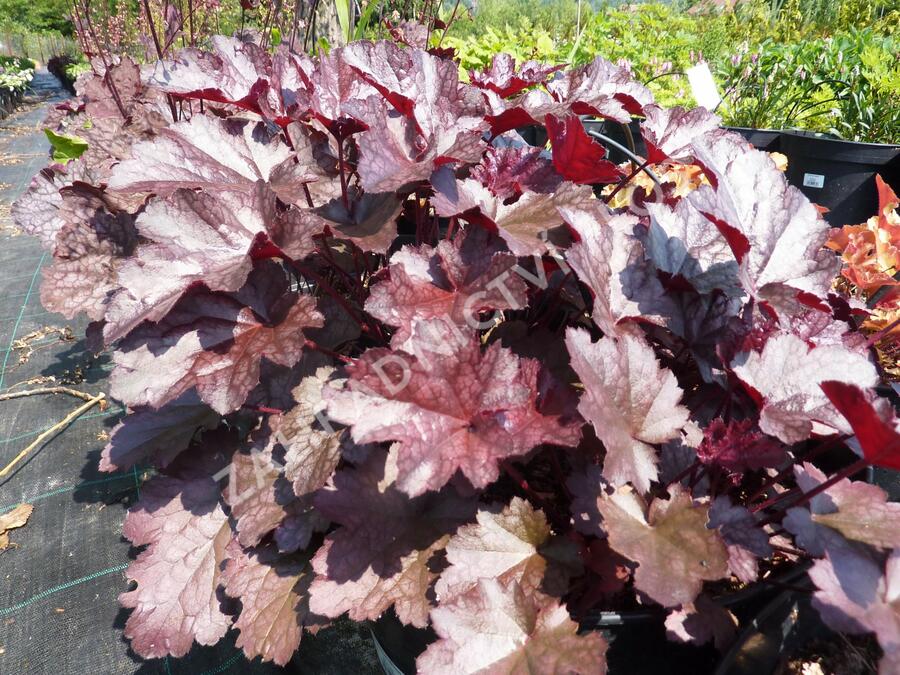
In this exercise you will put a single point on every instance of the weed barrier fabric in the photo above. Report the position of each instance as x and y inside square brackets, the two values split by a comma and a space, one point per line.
[64, 569]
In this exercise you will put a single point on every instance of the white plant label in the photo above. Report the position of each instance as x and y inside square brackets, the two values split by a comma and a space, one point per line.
[703, 86]
[813, 180]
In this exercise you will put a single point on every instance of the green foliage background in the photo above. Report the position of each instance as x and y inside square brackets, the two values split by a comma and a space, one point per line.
[830, 66]
[36, 15]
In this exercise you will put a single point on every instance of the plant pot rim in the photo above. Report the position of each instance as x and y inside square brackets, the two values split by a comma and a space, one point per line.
[766, 130]
[840, 150]
[791, 607]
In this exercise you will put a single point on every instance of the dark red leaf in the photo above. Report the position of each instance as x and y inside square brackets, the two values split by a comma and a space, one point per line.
[875, 429]
[576, 156]
[509, 170]
[737, 446]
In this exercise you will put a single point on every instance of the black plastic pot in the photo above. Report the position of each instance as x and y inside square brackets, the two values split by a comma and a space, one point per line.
[773, 632]
[788, 628]
[628, 136]
[840, 175]
[636, 648]
[780, 631]
[534, 134]
[761, 139]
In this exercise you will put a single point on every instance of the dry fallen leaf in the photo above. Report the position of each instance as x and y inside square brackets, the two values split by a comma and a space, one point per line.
[11, 520]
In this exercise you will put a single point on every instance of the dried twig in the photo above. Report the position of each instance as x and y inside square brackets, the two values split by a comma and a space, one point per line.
[56, 428]
[48, 390]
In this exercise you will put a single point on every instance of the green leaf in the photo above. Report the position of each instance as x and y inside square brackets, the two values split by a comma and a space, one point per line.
[363, 22]
[65, 147]
[342, 8]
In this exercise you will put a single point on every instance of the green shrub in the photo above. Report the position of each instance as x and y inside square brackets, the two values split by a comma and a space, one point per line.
[73, 70]
[779, 63]
[67, 68]
[556, 18]
[15, 74]
[845, 84]
[17, 63]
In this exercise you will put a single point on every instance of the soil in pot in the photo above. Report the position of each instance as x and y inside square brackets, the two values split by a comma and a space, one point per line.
[848, 655]
[787, 637]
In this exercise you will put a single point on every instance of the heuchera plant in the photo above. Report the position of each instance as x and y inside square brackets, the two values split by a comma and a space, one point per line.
[382, 355]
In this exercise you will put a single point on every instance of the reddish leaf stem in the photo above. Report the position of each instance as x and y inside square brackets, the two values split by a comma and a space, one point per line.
[159, 54]
[625, 181]
[789, 551]
[877, 337]
[775, 499]
[450, 228]
[804, 498]
[344, 195]
[330, 352]
[688, 470]
[107, 77]
[697, 476]
[264, 409]
[449, 23]
[812, 454]
[325, 250]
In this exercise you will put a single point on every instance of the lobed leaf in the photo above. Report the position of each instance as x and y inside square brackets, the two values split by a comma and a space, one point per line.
[449, 407]
[175, 601]
[379, 556]
[214, 342]
[274, 595]
[630, 400]
[502, 546]
[786, 377]
[498, 628]
[669, 541]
